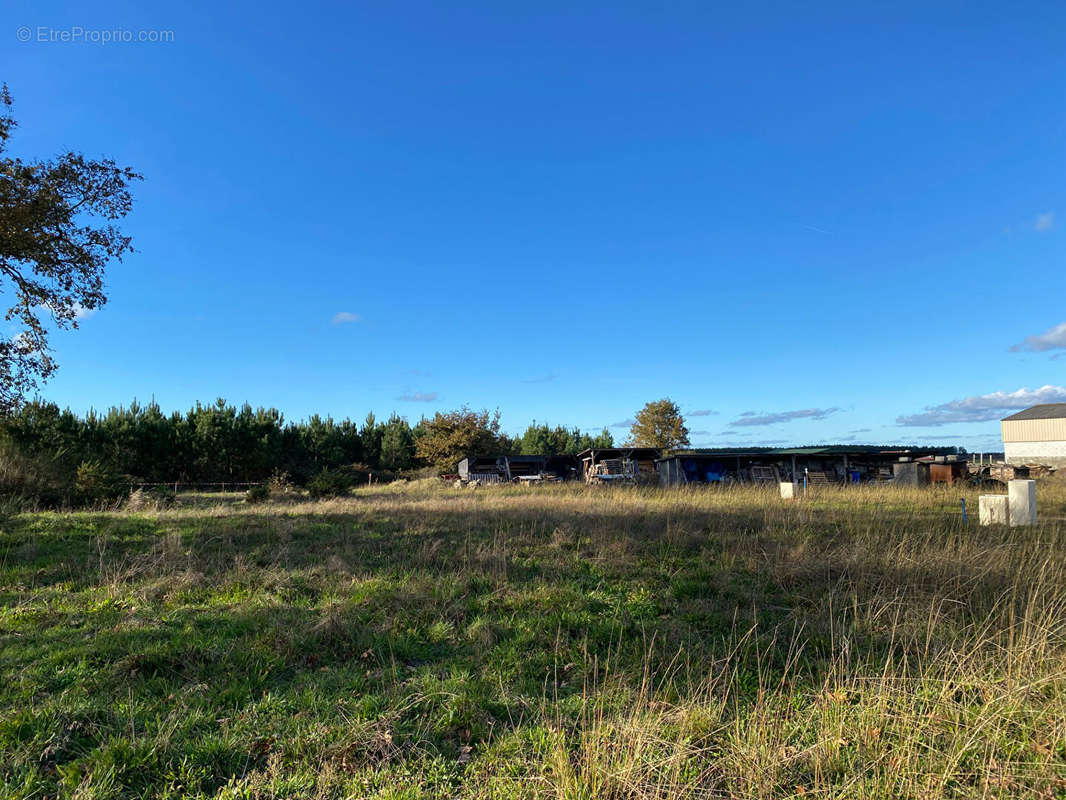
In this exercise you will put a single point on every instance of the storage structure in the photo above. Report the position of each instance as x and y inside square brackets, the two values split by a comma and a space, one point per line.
[812, 466]
[619, 464]
[1036, 435]
[502, 469]
[908, 472]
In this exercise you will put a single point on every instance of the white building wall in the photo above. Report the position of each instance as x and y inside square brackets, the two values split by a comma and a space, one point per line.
[1051, 453]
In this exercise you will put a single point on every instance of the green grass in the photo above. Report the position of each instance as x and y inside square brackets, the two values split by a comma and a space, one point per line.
[416, 641]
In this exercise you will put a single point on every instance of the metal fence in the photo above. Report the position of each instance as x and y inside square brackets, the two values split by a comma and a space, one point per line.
[215, 486]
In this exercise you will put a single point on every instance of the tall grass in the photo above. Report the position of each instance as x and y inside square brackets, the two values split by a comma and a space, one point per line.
[414, 640]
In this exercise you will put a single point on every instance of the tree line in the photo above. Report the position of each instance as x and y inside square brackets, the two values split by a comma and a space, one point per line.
[219, 441]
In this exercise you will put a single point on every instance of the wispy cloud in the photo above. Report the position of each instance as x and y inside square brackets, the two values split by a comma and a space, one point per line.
[861, 430]
[345, 317]
[983, 407]
[81, 312]
[1051, 339]
[626, 423]
[936, 437]
[551, 376]
[1044, 222]
[703, 412]
[78, 311]
[418, 397]
[700, 433]
[750, 418]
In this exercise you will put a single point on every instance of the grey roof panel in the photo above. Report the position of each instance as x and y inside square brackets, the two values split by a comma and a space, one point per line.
[1043, 411]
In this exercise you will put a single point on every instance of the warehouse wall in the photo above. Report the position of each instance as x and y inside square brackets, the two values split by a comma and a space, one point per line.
[1051, 453]
[1034, 430]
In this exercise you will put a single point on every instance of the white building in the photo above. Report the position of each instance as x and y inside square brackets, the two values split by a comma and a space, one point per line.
[1036, 435]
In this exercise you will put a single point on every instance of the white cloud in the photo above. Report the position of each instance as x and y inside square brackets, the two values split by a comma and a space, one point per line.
[78, 311]
[1051, 339]
[983, 407]
[626, 423]
[1044, 222]
[418, 397]
[344, 317]
[703, 412]
[749, 418]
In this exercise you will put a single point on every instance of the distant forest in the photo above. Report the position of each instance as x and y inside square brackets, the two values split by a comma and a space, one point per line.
[222, 442]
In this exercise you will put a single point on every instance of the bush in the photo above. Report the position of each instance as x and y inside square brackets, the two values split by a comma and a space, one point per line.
[28, 482]
[280, 484]
[96, 484]
[257, 494]
[329, 483]
[154, 499]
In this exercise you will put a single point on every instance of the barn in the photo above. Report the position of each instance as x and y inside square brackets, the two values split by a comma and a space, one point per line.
[1036, 435]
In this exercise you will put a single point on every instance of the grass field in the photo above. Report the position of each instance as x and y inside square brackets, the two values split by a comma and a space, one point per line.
[421, 641]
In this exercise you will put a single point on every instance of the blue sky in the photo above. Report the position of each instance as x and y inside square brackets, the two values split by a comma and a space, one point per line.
[826, 222]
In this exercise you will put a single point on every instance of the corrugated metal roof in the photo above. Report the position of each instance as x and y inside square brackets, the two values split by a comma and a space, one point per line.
[1043, 411]
[833, 449]
[855, 451]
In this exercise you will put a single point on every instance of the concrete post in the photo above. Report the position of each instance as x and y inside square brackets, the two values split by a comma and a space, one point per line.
[1022, 494]
[993, 509]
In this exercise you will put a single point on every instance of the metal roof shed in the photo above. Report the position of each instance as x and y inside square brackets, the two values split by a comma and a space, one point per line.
[1036, 435]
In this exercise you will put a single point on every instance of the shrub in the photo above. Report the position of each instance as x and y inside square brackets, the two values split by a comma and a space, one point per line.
[329, 483]
[154, 499]
[95, 483]
[280, 484]
[32, 481]
[259, 493]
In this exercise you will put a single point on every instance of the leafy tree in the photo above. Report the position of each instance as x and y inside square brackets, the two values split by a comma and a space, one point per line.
[659, 424]
[56, 237]
[451, 436]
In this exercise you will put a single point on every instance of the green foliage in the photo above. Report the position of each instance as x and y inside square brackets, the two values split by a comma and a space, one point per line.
[209, 443]
[96, 483]
[449, 437]
[397, 450]
[330, 483]
[57, 219]
[280, 484]
[218, 442]
[543, 440]
[32, 480]
[659, 424]
[371, 435]
[259, 493]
